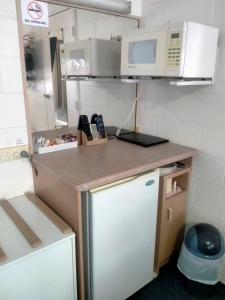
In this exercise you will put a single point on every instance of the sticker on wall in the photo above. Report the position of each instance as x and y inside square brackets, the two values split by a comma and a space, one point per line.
[34, 13]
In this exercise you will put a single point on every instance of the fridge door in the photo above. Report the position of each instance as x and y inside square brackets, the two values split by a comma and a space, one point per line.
[121, 237]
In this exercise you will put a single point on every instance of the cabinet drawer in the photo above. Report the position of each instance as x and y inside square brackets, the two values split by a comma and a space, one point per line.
[173, 219]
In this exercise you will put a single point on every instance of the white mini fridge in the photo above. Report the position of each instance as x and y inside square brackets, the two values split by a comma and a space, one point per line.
[37, 252]
[120, 228]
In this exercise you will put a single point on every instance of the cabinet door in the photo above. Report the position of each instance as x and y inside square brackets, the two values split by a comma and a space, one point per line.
[172, 230]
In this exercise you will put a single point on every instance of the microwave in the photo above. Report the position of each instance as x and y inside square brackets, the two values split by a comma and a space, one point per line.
[186, 50]
[91, 57]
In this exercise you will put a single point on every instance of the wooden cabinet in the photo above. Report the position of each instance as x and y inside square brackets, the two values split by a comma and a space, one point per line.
[61, 178]
[171, 214]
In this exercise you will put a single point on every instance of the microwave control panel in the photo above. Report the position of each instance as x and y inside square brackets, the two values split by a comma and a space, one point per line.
[174, 50]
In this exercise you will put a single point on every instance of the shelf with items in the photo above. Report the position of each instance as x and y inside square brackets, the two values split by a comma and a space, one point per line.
[43, 145]
[176, 182]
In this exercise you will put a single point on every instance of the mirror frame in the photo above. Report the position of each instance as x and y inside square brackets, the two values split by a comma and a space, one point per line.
[22, 59]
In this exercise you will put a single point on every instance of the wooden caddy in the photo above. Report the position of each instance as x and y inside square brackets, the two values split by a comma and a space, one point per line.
[82, 140]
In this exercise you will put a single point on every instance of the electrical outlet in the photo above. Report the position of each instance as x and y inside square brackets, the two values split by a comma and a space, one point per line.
[12, 153]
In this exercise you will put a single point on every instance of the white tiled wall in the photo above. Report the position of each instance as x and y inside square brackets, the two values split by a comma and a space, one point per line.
[65, 20]
[112, 99]
[193, 116]
[15, 176]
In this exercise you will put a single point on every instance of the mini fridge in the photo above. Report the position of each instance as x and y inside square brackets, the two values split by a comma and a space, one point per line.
[120, 230]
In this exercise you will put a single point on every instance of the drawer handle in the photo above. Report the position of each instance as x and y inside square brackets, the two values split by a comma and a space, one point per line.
[170, 214]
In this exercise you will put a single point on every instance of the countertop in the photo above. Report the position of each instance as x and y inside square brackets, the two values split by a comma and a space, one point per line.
[85, 168]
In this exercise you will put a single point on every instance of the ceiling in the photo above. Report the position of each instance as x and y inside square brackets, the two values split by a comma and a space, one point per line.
[54, 9]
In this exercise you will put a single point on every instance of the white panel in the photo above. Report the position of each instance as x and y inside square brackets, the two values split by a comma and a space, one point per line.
[1, 78]
[11, 73]
[9, 37]
[200, 61]
[182, 10]
[8, 8]
[16, 178]
[219, 79]
[87, 30]
[179, 131]
[111, 99]
[213, 141]
[72, 89]
[12, 112]
[47, 275]
[123, 228]
[3, 138]
[16, 136]
[196, 215]
[47, 272]
[65, 20]
[188, 103]
[218, 16]
[136, 8]
[152, 14]
[210, 198]
[209, 168]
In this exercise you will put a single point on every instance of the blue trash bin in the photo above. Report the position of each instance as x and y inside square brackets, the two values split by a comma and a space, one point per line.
[201, 259]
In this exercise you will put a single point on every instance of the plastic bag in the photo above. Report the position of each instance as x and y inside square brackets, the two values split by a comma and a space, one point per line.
[200, 269]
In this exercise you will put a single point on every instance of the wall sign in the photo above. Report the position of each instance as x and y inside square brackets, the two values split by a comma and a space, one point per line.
[34, 13]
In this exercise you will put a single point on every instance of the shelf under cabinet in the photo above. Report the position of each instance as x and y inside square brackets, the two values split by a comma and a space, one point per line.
[171, 195]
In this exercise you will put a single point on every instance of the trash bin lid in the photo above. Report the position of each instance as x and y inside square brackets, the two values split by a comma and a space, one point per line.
[205, 240]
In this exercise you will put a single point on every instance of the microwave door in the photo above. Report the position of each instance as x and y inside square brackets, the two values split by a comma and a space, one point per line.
[144, 55]
[77, 58]
[142, 52]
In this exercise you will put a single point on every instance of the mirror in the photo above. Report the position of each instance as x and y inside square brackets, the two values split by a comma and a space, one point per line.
[56, 101]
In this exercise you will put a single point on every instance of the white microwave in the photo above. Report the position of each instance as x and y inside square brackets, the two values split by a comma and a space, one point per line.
[186, 50]
[92, 57]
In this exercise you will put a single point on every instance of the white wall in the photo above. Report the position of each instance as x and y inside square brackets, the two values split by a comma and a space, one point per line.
[64, 20]
[111, 99]
[136, 7]
[192, 116]
[15, 176]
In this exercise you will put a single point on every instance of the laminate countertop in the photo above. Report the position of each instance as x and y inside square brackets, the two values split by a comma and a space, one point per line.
[85, 168]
